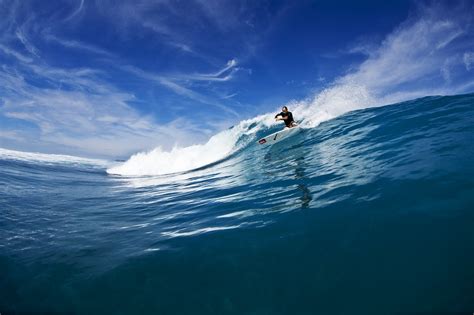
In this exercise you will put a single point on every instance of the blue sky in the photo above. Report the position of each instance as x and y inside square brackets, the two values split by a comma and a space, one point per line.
[110, 78]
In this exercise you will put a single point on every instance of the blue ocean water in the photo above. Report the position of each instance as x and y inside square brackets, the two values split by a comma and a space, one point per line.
[368, 213]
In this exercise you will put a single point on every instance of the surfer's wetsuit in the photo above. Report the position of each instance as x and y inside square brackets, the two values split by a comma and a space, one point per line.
[288, 120]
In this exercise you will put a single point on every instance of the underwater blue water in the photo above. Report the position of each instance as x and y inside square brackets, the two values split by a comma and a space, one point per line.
[368, 213]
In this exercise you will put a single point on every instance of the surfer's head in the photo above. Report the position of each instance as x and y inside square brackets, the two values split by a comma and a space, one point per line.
[284, 109]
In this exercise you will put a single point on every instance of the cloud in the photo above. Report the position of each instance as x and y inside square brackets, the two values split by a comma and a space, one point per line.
[422, 52]
[76, 12]
[468, 59]
[17, 55]
[225, 74]
[74, 44]
[162, 18]
[24, 40]
[229, 95]
[170, 83]
[182, 47]
[181, 90]
[184, 25]
[11, 135]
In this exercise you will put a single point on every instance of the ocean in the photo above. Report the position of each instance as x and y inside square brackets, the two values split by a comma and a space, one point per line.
[371, 212]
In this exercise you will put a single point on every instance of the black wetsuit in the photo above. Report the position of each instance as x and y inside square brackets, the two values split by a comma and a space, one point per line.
[289, 118]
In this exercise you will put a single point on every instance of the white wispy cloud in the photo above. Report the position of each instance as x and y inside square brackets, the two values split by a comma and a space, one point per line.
[11, 135]
[160, 17]
[182, 46]
[28, 45]
[17, 55]
[182, 24]
[468, 59]
[74, 44]
[229, 95]
[171, 83]
[224, 74]
[416, 55]
[75, 12]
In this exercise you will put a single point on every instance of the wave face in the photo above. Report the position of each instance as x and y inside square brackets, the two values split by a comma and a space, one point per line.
[368, 211]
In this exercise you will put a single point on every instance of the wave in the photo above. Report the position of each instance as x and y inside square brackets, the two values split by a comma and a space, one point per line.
[328, 104]
[6, 154]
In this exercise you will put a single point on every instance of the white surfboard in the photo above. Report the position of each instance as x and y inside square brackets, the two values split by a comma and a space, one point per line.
[279, 135]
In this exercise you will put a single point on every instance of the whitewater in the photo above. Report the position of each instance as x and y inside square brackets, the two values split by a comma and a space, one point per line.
[327, 104]
[366, 211]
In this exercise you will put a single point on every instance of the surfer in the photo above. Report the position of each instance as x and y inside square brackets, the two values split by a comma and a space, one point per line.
[287, 117]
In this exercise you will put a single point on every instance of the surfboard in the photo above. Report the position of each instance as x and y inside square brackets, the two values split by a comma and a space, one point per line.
[279, 135]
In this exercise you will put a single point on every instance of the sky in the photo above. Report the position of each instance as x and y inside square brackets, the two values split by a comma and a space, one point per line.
[112, 78]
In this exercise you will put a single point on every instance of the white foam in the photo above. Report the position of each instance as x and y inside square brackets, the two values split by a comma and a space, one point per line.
[6, 154]
[179, 159]
[181, 233]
